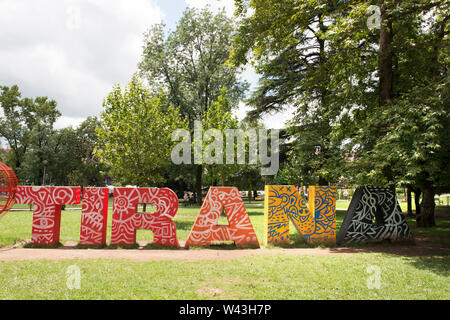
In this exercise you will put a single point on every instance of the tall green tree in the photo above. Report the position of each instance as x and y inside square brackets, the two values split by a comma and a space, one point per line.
[39, 154]
[285, 41]
[219, 118]
[135, 134]
[27, 126]
[399, 135]
[72, 159]
[248, 176]
[374, 97]
[2, 155]
[189, 64]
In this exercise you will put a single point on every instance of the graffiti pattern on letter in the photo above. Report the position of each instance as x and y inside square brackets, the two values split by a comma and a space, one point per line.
[126, 220]
[94, 216]
[239, 229]
[373, 214]
[47, 203]
[315, 221]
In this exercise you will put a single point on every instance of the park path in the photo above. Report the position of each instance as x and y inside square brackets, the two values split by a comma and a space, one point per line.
[422, 247]
[68, 251]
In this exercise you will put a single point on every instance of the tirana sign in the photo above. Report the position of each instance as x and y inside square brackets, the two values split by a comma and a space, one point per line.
[316, 220]
[47, 202]
[373, 214]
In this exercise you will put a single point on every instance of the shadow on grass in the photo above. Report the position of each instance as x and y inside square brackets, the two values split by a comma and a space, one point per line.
[436, 264]
[152, 246]
[44, 246]
[228, 245]
[298, 242]
[123, 246]
[442, 228]
[81, 246]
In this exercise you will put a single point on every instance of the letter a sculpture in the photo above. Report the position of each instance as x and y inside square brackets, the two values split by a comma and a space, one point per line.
[373, 214]
[206, 228]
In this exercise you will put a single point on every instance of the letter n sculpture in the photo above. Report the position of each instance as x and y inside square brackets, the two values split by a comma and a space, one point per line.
[206, 228]
[315, 221]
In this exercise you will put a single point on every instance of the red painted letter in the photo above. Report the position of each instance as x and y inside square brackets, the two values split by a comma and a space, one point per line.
[47, 203]
[205, 229]
[126, 221]
[94, 216]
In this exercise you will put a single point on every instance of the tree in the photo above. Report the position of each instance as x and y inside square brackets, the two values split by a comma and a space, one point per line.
[285, 40]
[399, 136]
[248, 176]
[135, 134]
[373, 98]
[39, 154]
[27, 125]
[91, 171]
[189, 65]
[2, 155]
[73, 160]
[306, 162]
[217, 119]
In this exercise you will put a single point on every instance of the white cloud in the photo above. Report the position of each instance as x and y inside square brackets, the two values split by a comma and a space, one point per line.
[278, 120]
[249, 75]
[64, 122]
[241, 111]
[72, 51]
[271, 121]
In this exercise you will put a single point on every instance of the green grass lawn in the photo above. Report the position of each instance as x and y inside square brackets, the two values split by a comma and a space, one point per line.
[262, 277]
[271, 276]
[16, 225]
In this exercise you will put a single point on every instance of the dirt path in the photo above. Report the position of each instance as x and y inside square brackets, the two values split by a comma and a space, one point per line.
[142, 255]
[424, 246]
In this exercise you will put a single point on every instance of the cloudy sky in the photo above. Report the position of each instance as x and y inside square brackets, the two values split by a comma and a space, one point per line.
[74, 51]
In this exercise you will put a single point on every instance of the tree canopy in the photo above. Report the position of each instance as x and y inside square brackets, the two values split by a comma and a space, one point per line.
[134, 137]
[40, 154]
[189, 65]
[372, 100]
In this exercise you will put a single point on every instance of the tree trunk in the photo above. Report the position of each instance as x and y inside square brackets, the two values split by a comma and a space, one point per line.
[198, 184]
[409, 201]
[385, 72]
[426, 217]
[322, 181]
[417, 194]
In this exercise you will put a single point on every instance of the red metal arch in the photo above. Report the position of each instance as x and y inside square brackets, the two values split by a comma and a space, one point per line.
[8, 186]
